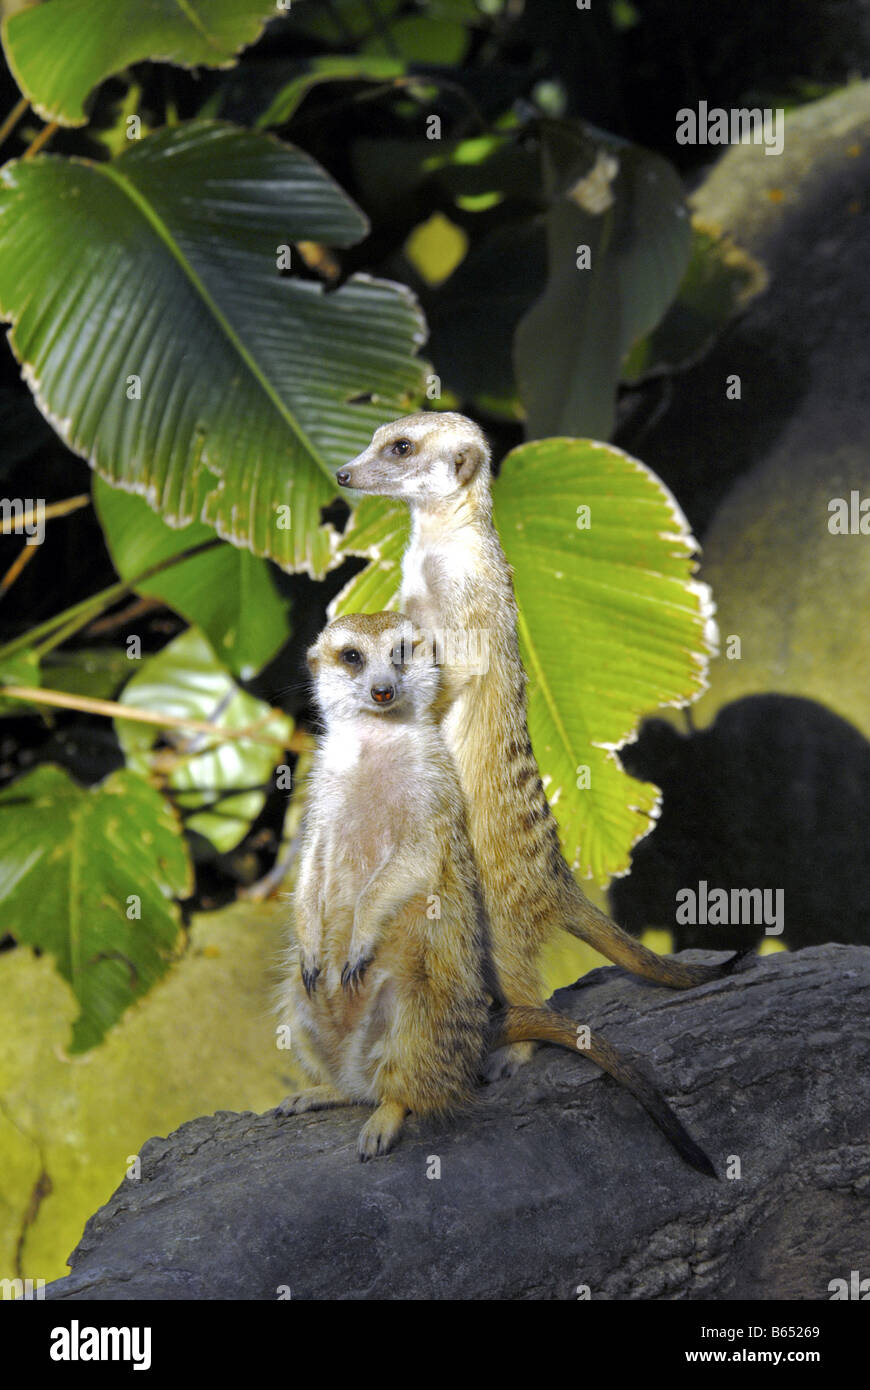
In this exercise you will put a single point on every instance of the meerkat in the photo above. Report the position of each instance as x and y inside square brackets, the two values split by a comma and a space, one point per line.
[392, 996]
[456, 580]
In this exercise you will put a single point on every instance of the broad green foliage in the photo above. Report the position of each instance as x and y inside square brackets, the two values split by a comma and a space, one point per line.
[219, 780]
[611, 625]
[160, 268]
[59, 52]
[626, 205]
[227, 592]
[89, 875]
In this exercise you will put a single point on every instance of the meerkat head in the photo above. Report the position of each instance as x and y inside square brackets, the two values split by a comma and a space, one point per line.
[373, 664]
[424, 459]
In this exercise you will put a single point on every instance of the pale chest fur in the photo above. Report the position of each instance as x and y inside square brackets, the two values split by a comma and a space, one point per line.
[438, 579]
[368, 802]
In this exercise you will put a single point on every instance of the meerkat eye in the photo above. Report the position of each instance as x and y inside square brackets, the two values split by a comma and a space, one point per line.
[401, 448]
[350, 656]
[402, 652]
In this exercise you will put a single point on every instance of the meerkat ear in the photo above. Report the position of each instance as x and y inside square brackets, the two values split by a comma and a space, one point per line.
[466, 462]
[312, 660]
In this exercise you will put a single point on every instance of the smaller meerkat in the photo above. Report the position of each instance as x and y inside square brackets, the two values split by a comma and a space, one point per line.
[456, 580]
[393, 998]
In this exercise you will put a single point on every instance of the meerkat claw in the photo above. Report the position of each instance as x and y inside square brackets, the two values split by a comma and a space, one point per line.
[309, 978]
[352, 975]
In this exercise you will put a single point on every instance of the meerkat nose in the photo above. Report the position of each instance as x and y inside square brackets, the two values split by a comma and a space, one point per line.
[383, 694]
[342, 477]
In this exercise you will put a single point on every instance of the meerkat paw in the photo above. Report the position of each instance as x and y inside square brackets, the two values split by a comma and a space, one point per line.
[314, 1098]
[352, 975]
[504, 1061]
[379, 1134]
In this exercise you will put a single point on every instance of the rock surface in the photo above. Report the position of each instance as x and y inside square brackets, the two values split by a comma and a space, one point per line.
[555, 1180]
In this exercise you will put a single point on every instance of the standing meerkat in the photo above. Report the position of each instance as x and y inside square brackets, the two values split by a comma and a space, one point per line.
[456, 580]
[394, 1002]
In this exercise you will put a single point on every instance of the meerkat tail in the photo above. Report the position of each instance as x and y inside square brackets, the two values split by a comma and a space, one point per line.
[602, 933]
[522, 1024]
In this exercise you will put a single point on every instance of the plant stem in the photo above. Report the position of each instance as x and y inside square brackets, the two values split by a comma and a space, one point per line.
[39, 140]
[57, 629]
[13, 118]
[37, 695]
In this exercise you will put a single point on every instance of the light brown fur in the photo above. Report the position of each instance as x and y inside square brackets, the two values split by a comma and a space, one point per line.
[455, 578]
[392, 1003]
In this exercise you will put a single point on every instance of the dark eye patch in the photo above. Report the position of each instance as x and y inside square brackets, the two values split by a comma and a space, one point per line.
[401, 448]
[350, 656]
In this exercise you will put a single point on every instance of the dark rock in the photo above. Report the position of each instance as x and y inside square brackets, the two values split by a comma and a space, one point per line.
[556, 1179]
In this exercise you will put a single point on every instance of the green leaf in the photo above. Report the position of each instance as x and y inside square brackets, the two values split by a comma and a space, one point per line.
[422, 39]
[22, 669]
[59, 52]
[161, 267]
[379, 530]
[71, 863]
[626, 205]
[332, 68]
[612, 625]
[220, 785]
[97, 672]
[226, 592]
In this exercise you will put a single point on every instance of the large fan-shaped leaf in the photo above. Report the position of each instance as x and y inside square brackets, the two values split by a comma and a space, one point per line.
[160, 267]
[612, 625]
[88, 875]
[219, 781]
[59, 52]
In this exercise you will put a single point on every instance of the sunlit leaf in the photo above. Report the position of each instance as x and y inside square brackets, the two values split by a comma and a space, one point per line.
[59, 52]
[612, 625]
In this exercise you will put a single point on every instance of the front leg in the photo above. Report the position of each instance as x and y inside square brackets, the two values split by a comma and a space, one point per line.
[309, 919]
[314, 1098]
[393, 883]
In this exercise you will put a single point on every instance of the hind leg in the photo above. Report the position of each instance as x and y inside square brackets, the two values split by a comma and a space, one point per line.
[504, 1061]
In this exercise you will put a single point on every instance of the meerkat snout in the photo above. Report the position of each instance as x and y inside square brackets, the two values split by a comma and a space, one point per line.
[383, 694]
